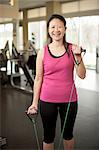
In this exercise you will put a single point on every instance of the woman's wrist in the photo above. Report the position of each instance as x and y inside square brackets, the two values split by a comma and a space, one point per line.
[35, 103]
[35, 108]
[78, 59]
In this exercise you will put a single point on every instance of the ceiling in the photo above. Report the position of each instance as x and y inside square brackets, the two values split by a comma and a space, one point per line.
[26, 4]
[36, 3]
[6, 2]
[31, 3]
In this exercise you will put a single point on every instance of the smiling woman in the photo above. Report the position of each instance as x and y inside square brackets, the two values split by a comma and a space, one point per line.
[54, 84]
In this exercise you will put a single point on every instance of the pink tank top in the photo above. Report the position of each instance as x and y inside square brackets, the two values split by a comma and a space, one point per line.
[58, 80]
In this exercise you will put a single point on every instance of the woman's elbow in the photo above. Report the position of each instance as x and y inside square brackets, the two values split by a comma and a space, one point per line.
[38, 78]
[82, 76]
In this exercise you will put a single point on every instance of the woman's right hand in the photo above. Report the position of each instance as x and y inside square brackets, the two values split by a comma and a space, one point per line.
[32, 109]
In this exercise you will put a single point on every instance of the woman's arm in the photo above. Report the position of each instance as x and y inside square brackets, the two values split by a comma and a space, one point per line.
[80, 67]
[79, 64]
[37, 83]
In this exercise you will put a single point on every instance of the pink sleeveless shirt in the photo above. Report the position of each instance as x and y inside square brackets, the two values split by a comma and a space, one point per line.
[58, 81]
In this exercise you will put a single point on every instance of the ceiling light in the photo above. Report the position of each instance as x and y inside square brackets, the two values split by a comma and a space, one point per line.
[11, 2]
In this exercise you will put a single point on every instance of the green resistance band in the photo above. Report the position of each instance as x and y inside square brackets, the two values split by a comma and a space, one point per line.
[68, 107]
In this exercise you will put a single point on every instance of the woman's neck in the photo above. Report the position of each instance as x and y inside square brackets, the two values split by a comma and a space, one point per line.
[57, 43]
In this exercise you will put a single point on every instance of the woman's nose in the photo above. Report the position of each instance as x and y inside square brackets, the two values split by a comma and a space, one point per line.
[56, 28]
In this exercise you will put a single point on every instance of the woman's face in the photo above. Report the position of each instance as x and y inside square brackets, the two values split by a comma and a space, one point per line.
[56, 29]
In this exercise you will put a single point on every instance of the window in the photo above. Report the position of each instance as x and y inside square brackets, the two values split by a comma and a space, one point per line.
[21, 15]
[84, 31]
[6, 33]
[20, 38]
[37, 12]
[38, 30]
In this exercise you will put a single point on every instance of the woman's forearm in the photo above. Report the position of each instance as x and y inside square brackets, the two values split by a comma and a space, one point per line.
[36, 89]
[80, 67]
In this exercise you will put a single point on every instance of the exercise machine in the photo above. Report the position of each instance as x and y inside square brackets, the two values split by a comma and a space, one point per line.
[3, 63]
[20, 59]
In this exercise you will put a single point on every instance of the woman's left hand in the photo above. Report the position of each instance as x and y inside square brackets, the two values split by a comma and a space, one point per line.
[76, 50]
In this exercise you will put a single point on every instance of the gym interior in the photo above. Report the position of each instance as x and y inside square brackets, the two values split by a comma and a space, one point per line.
[23, 33]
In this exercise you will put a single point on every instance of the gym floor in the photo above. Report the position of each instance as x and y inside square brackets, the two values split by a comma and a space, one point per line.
[19, 131]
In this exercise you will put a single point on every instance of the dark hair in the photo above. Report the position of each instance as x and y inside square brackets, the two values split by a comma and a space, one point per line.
[57, 16]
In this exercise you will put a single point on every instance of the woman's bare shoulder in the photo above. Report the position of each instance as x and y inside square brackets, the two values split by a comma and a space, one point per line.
[41, 53]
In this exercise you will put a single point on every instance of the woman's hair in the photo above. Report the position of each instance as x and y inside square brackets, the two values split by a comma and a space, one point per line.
[57, 16]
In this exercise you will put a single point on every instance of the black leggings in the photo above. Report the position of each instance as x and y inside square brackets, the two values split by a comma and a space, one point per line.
[49, 113]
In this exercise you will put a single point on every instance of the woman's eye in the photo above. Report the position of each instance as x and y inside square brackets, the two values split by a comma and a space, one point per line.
[60, 27]
[53, 27]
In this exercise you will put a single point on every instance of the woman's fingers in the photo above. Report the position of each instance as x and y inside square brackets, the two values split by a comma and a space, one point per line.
[76, 49]
[32, 110]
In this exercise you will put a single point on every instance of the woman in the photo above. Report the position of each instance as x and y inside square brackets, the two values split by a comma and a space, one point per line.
[54, 83]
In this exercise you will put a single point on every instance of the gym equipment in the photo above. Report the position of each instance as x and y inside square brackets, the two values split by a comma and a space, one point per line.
[32, 55]
[19, 58]
[3, 63]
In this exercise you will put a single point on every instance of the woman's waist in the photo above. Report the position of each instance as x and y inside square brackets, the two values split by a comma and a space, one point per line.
[58, 93]
[57, 83]
[57, 88]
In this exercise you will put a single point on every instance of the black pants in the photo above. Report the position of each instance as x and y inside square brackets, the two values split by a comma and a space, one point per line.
[49, 113]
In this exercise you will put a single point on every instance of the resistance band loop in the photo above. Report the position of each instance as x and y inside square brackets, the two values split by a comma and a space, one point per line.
[67, 111]
[33, 120]
[68, 107]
